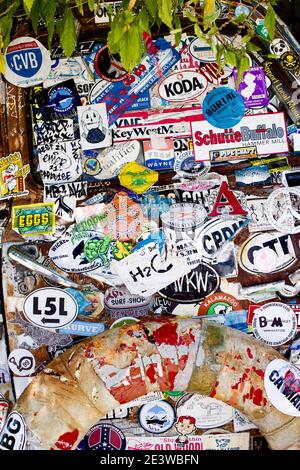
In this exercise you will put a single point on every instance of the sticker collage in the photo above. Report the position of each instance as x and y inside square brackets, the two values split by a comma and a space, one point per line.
[150, 239]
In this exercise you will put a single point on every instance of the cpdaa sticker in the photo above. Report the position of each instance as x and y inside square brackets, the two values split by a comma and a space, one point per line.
[13, 435]
[28, 62]
[268, 252]
[194, 286]
[223, 107]
[282, 385]
[283, 210]
[186, 166]
[209, 412]
[274, 324]
[103, 436]
[157, 417]
[50, 308]
[21, 362]
[182, 86]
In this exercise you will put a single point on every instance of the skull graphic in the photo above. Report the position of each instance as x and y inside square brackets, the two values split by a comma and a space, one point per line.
[92, 126]
[279, 47]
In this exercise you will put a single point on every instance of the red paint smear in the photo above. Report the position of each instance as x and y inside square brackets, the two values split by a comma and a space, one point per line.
[183, 361]
[250, 355]
[245, 397]
[166, 334]
[238, 357]
[151, 373]
[187, 338]
[259, 372]
[67, 440]
[241, 380]
[170, 371]
[89, 353]
[124, 393]
[213, 393]
[258, 395]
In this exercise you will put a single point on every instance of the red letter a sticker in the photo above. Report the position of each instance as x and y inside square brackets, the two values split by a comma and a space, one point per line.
[225, 198]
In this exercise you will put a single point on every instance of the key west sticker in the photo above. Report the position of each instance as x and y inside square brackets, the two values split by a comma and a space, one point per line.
[266, 132]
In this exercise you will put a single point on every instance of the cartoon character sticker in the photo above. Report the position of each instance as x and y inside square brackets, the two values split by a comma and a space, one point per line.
[12, 176]
[93, 124]
[185, 425]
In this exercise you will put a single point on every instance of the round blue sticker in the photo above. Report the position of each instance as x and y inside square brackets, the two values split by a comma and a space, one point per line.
[242, 10]
[223, 107]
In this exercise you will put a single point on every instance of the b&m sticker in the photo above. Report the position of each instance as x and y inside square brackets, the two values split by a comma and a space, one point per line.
[34, 219]
[274, 324]
[282, 385]
[28, 62]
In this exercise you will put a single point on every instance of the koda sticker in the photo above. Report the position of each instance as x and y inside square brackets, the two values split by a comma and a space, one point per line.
[194, 286]
[274, 324]
[182, 86]
[34, 219]
[282, 385]
[28, 62]
[13, 435]
[93, 124]
[208, 412]
[157, 417]
[267, 132]
[268, 252]
[13, 174]
[50, 308]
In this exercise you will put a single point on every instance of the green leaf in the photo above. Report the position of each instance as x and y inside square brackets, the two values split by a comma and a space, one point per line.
[230, 58]
[143, 21]
[35, 14]
[199, 33]
[116, 32]
[28, 4]
[270, 21]
[243, 64]
[178, 29]
[220, 52]
[130, 48]
[48, 14]
[67, 32]
[91, 4]
[165, 8]
[209, 12]
[191, 17]
[79, 4]
[251, 47]
[151, 7]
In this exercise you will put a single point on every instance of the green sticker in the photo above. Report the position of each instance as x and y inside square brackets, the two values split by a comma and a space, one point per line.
[34, 219]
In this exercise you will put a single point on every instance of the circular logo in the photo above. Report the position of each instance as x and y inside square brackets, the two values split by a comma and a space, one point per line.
[274, 324]
[28, 62]
[282, 386]
[108, 67]
[223, 107]
[283, 210]
[61, 99]
[242, 10]
[184, 216]
[200, 50]
[104, 436]
[289, 60]
[21, 362]
[92, 166]
[219, 304]
[157, 417]
[185, 165]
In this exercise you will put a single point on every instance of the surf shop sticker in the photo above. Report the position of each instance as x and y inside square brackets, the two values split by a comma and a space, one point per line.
[34, 219]
[208, 412]
[269, 252]
[253, 88]
[185, 165]
[137, 178]
[219, 304]
[182, 86]
[28, 62]
[274, 324]
[193, 286]
[282, 385]
[13, 434]
[93, 123]
[13, 174]
[223, 107]
[160, 156]
[157, 417]
[60, 162]
[119, 303]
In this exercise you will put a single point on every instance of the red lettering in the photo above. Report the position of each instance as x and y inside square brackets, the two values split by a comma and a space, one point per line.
[230, 201]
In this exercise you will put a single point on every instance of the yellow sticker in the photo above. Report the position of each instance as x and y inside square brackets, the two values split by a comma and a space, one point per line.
[137, 177]
[34, 219]
[12, 176]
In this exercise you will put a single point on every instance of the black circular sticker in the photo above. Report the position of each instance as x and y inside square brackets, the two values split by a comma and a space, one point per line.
[289, 61]
[194, 286]
[108, 67]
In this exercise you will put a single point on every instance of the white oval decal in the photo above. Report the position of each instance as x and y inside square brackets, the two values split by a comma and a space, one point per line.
[251, 257]
[208, 412]
[282, 385]
[50, 308]
[274, 324]
[182, 86]
[13, 435]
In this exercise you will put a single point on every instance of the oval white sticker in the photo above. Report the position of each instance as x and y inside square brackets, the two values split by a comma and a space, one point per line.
[50, 308]
[182, 86]
[13, 435]
[282, 385]
[274, 323]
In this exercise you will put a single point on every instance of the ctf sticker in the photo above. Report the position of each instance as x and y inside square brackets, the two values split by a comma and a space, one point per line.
[12, 176]
[283, 210]
[274, 324]
[223, 107]
[34, 219]
[137, 178]
[50, 308]
[103, 437]
[157, 417]
[282, 385]
[28, 62]
[21, 362]
[289, 61]
[13, 435]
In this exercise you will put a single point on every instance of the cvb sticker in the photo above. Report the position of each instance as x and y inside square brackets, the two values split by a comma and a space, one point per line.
[50, 308]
